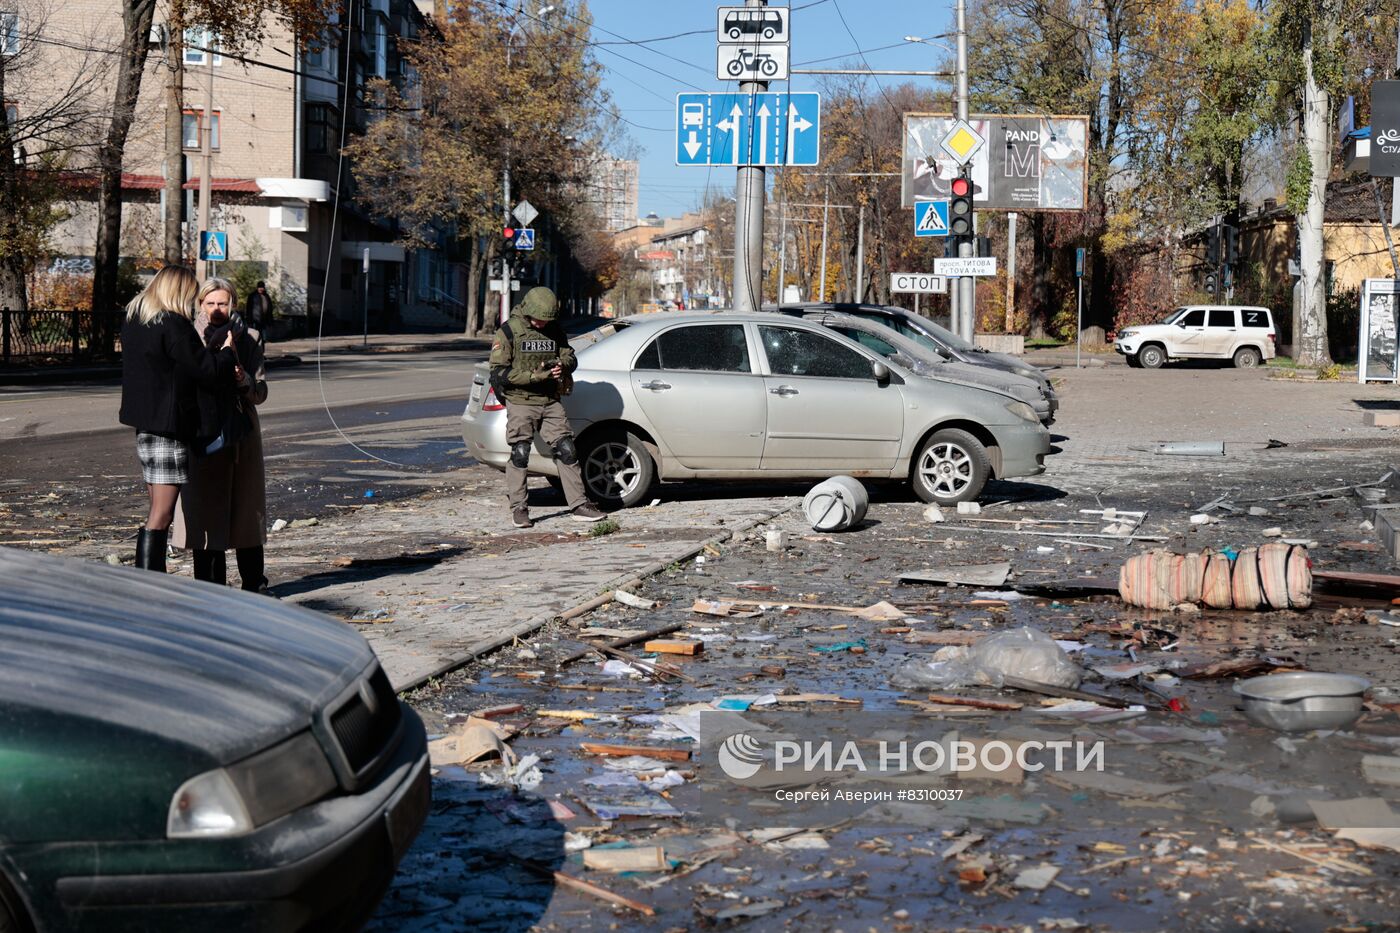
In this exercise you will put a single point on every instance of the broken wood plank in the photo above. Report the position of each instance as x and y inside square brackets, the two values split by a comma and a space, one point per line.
[674, 646]
[585, 887]
[975, 702]
[607, 750]
[624, 642]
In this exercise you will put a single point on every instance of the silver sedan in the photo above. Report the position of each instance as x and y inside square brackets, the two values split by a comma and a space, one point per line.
[683, 396]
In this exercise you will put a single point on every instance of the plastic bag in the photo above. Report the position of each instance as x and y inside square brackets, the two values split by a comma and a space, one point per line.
[1027, 653]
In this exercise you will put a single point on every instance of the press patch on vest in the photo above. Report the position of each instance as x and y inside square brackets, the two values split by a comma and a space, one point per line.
[537, 346]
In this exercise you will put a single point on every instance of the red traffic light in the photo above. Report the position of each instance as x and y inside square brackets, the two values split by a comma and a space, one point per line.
[509, 232]
[962, 187]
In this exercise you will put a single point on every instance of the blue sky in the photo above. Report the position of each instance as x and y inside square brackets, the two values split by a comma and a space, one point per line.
[644, 79]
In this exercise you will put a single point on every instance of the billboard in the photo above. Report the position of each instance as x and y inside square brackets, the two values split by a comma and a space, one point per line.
[1030, 163]
[1385, 129]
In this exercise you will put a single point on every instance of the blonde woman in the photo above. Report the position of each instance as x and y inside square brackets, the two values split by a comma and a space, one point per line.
[163, 365]
[224, 505]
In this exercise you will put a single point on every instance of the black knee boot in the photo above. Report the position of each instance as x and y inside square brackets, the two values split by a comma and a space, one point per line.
[150, 549]
[250, 569]
[211, 566]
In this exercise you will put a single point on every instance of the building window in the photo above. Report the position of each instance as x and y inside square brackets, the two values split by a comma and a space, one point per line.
[9, 33]
[323, 59]
[381, 48]
[322, 125]
[198, 39]
[11, 115]
[192, 124]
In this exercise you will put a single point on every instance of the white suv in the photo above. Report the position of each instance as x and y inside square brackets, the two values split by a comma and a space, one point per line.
[1202, 332]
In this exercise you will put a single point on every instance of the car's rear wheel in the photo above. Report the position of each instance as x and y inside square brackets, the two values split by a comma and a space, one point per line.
[618, 472]
[952, 466]
[1152, 356]
[1247, 358]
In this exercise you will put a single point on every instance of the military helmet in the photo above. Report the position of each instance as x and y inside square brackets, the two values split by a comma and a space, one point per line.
[540, 303]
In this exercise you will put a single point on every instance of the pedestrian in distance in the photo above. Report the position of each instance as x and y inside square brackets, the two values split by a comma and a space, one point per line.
[532, 368]
[258, 311]
[164, 364]
[224, 504]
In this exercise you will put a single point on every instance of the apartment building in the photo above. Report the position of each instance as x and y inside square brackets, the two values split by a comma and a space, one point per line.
[614, 186]
[280, 189]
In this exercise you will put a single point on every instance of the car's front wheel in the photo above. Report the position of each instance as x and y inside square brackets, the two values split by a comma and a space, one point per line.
[1152, 356]
[1133, 361]
[952, 466]
[1246, 358]
[618, 472]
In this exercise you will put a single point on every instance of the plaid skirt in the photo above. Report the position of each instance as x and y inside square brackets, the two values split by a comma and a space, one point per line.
[164, 460]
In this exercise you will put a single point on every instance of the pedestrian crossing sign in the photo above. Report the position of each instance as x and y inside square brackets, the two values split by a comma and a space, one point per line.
[930, 218]
[213, 246]
[525, 238]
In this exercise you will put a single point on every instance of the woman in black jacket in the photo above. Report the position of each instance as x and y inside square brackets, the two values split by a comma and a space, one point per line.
[163, 364]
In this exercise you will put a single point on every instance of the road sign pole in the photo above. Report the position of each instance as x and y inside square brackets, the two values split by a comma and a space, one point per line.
[1079, 326]
[748, 221]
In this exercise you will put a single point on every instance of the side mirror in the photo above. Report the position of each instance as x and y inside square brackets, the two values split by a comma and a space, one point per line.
[880, 371]
[1181, 324]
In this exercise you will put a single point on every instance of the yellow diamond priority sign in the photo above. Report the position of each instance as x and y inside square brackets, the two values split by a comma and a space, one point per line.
[962, 142]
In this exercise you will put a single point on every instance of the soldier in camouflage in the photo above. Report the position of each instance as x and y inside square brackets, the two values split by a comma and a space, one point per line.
[531, 369]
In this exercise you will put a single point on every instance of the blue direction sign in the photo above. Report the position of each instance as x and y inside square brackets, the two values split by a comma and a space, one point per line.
[748, 129]
[930, 218]
[213, 246]
[525, 238]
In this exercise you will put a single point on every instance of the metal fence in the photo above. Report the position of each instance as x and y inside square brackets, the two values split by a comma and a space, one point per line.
[36, 337]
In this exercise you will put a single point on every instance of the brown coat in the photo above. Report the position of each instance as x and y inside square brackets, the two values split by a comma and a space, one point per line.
[224, 505]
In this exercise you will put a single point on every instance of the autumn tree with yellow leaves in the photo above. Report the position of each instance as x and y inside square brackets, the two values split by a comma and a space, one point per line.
[433, 160]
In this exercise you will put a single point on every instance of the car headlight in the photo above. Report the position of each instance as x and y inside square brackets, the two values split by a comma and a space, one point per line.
[1127, 333]
[1023, 411]
[208, 806]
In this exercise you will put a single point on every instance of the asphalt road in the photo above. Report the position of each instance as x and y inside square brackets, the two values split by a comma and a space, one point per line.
[69, 468]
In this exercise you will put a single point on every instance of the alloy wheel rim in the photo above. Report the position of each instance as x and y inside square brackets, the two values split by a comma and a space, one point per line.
[612, 470]
[947, 469]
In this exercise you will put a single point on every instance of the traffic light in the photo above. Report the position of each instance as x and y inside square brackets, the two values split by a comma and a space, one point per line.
[1232, 245]
[509, 234]
[1213, 246]
[1210, 284]
[960, 206]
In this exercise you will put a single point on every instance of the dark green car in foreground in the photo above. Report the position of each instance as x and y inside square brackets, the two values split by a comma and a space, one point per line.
[179, 756]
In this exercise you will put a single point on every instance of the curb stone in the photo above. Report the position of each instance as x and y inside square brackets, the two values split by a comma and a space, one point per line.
[535, 623]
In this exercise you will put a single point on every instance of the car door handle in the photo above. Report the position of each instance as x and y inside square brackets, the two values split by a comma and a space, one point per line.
[656, 385]
[784, 391]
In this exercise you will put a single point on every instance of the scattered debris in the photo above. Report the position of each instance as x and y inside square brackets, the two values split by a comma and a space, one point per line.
[970, 575]
[636, 602]
[626, 858]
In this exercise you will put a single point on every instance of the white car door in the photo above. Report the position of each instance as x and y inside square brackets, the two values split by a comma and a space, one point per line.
[1222, 332]
[825, 409]
[703, 396]
[1190, 334]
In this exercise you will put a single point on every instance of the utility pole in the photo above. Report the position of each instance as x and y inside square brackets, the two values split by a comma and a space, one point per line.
[860, 256]
[1011, 272]
[826, 212]
[174, 168]
[967, 298]
[206, 143]
[782, 253]
[748, 219]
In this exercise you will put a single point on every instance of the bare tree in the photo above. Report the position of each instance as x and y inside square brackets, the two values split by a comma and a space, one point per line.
[41, 135]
